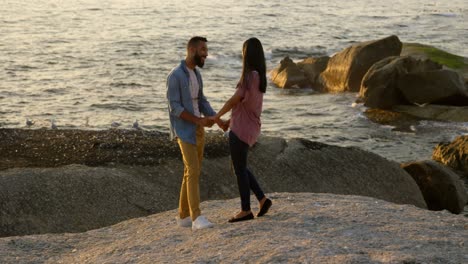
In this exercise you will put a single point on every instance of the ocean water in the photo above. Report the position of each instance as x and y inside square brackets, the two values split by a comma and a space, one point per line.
[86, 64]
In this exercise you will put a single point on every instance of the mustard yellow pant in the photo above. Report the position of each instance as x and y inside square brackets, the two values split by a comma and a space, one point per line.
[192, 155]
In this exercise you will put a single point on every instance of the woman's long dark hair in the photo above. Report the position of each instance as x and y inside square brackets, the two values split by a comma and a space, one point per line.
[254, 60]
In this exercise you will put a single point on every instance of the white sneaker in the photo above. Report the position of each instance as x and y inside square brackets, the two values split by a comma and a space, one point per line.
[186, 222]
[201, 222]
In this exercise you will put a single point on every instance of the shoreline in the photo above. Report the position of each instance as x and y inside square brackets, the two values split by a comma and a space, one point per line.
[23, 148]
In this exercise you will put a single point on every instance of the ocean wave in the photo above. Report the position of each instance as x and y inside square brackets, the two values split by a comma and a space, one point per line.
[375, 17]
[131, 84]
[56, 41]
[9, 22]
[21, 68]
[55, 91]
[298, 52]
[310, 114]
[116, 106]
[439, 124]
[444, 14]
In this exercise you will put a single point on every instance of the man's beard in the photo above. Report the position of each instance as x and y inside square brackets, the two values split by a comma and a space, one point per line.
[198, 60]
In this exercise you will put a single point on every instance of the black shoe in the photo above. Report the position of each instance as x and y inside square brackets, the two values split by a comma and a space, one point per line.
[244, 218]
[266, 205]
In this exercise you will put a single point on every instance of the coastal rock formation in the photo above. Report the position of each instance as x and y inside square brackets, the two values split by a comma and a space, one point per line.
[452, 61]
[445, 87]
[288, 75]
[303, 74]
[399, 121]
[76, 198]
[406, 80]
[435, 112]
[300, 227]
[346, 69]
[305, 166]
[453, 154]
[441, 187]
[379, 87]
[312, 68]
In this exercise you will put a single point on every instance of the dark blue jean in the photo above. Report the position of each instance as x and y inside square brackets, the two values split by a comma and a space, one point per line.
[245, 179]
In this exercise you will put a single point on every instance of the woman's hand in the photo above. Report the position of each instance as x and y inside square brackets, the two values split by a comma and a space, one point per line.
[224, 125]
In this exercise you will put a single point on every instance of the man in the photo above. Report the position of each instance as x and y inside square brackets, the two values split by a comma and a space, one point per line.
[187, 103]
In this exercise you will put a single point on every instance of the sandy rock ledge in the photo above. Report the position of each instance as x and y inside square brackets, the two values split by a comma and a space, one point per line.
[301, 227]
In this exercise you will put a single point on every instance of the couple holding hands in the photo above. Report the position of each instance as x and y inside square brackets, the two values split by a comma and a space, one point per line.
[187, 104]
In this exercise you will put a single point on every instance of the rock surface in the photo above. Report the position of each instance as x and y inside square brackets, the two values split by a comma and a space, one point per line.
[346, 69]
[288, 75]
[312, 68]
[452, 61]
[441, 187]
[65, 199]
[300, 228]
[443, 86]
[380, 85]
[400, 121]
[435, 112]
[453, 154]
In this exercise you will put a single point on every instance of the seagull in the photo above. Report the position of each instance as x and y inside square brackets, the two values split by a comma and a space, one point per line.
[136, 125]
[52, 124]
[29, 123]
[420, 105]
[115, 124]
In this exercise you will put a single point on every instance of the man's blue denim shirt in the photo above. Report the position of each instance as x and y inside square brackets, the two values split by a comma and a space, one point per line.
[180, 99]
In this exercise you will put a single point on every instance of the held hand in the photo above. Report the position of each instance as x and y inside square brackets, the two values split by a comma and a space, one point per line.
[206, 122]
[224, 125]
[209, 122]
[214, 118]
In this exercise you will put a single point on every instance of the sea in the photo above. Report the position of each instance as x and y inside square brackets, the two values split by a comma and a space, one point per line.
[88, 64]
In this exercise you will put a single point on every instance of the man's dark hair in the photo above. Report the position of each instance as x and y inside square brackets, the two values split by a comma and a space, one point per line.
[194, 41]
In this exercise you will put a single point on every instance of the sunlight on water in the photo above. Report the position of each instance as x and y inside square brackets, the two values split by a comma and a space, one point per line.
[86, 64]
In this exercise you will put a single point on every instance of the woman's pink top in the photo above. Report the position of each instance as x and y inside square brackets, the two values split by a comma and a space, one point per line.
[245, 117]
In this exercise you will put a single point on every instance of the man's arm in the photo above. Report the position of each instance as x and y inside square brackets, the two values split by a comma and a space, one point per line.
[202, 121]
[173, 96]
[176, 107]
[205, 106]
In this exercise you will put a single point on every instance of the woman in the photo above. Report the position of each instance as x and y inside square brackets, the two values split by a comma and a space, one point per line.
[246, 105]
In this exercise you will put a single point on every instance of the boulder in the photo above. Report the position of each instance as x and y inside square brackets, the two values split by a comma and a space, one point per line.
[312, 68]
[422, 51]
[75, 198]
[346, 69]
[435, 112]
[441, 187]
[306, 166]
[442, 86]
[288, 75]
[453, 154]
[379, 87]
[449, 60]
[399, 121]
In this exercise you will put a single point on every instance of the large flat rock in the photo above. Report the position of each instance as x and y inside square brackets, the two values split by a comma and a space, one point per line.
[300, 228]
